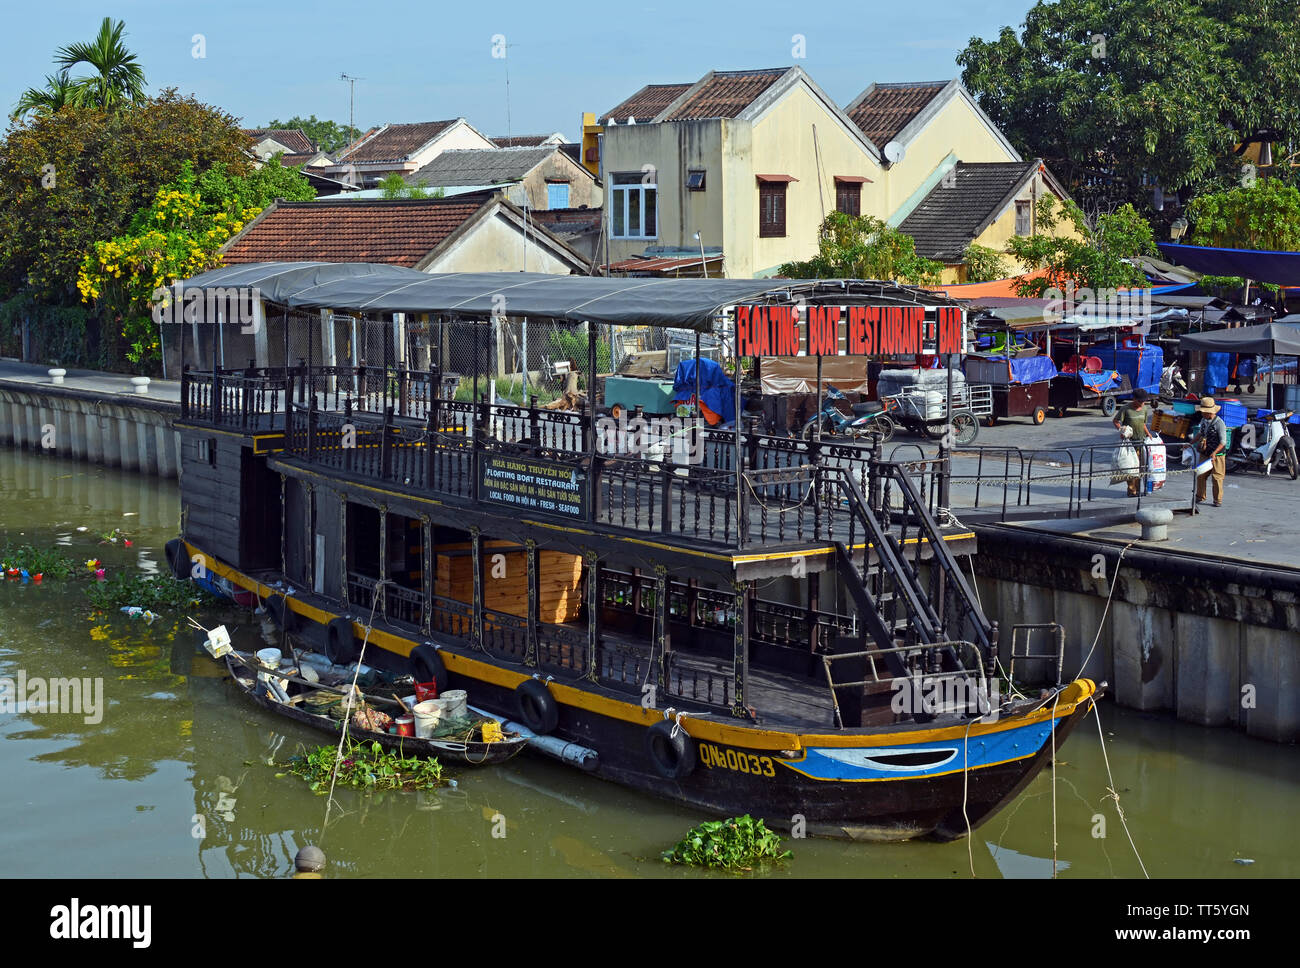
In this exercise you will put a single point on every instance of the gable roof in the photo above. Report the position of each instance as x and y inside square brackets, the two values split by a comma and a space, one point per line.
[722, 94]
[883, 110]
[395, 142]
[482, 166]
[952, 216]
[294, 139]
[646, 103]
[396, 232]
[528, 140]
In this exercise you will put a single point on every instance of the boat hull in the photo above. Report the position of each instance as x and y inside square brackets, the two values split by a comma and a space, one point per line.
[874, 783]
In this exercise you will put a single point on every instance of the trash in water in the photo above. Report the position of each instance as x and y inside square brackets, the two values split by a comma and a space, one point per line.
[1243, 860]
[135, 611]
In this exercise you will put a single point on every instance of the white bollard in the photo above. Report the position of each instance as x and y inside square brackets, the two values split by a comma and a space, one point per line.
[141, 384]
[57, 375]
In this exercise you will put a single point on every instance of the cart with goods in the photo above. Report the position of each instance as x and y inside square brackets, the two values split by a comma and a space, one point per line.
[928, 409]
[1020, 385]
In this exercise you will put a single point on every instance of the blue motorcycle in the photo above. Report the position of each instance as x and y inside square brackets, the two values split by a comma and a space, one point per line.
[868, 418]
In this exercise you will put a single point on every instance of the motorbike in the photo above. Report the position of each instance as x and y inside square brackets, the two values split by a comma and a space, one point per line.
[1274, 448]
[868, 418]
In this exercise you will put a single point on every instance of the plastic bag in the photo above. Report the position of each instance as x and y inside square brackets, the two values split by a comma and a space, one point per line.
[1157, 462]
[1123, 463]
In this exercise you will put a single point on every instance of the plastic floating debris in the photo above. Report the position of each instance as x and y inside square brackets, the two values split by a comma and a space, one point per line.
[127, 542]
[38, 576]
[1243, 860]
[99, 574]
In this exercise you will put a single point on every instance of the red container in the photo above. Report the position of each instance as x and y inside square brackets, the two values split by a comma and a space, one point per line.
[426, 690]
[405, 725]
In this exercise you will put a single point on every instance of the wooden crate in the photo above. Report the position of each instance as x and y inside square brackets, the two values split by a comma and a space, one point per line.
[1171, 425]
[559, 580]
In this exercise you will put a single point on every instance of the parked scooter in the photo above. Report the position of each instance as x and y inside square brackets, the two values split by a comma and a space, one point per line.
[1273, 446]
[868, 418]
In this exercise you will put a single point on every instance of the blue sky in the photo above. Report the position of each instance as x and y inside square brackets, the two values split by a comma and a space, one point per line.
[424, 61]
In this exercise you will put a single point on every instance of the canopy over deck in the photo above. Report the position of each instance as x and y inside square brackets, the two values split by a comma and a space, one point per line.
[1279, 339]
[680, 303]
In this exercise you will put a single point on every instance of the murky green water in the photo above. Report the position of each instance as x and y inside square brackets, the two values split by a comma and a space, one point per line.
[173, 779]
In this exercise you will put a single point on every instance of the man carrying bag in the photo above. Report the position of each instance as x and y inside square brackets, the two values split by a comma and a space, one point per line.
[1212, 444]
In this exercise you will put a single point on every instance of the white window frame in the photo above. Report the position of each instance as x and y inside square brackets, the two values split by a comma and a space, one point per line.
[620, 195]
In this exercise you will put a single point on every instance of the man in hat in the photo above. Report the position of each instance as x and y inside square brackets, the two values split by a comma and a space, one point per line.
[1212, 442]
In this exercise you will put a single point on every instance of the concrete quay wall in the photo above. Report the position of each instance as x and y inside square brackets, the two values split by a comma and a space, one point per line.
[129, 431]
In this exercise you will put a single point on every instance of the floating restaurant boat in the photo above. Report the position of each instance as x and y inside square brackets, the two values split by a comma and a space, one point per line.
[754, 624]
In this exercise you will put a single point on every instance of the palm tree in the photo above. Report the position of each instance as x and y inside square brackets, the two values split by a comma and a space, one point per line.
[120, 77]
[59, 90]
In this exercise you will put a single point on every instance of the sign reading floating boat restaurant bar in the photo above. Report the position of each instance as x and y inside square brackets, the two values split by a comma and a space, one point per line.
[532, 485]
[848, 330]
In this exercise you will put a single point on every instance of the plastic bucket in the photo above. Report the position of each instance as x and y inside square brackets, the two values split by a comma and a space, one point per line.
[457, 701]
[269, 658]
[427, 716]
[405, 725]
[426, 690]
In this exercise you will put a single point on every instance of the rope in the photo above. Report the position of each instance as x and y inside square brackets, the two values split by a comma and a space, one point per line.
[1055, 701]
[1113, 795]
[965, 773]
[347, 719]
[1114, 581]
[759, 501]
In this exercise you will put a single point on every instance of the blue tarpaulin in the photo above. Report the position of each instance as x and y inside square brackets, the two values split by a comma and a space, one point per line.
[1032, 369]
[1258, 265]
[1100, 382]
[717, 392]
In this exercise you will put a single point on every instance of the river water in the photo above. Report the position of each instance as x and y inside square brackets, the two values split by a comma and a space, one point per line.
[170, 777]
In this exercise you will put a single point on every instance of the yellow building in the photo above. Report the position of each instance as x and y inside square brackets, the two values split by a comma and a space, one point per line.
[735, 173]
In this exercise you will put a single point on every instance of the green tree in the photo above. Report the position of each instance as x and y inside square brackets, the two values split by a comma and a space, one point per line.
[984, 264]
[59, 90]
[1262, 215]
[1096, 260]
[864, 247]
[328, 136]
[394, 186]
[1119, 94]
[118, 77]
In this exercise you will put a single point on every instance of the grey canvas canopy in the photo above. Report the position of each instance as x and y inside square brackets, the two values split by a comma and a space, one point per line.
[1274, 338]
[683, 303]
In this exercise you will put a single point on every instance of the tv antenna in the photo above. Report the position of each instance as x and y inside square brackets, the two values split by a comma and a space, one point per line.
[352, 100]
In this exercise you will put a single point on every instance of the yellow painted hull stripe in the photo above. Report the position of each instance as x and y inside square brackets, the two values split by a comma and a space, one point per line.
[706, 730]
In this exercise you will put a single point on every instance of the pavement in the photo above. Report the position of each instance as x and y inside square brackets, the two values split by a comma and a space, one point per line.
[109, 384]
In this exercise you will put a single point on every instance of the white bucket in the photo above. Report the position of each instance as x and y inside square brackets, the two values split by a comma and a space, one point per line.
[269, 658]
[427, 715]
[457, 701]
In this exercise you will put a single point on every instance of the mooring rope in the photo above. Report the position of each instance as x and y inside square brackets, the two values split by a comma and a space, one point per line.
[1114, 583]
[1055, 701]
[1112, 794]
[347, 717]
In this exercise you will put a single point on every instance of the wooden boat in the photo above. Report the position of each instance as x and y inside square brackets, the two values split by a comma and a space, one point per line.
[741, 631]
[450, 749]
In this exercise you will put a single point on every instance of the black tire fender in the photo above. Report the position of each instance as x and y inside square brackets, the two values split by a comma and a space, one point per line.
[178, 561]
[427, 666]
[538, 709]
[340, 642]
[671, 750]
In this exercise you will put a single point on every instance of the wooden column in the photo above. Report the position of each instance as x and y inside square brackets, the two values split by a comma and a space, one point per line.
[740, 648]
[593, 612]
[426, 577]
[663, 637]
[814, 602]
[284, 528]
[343, 549]
[530, 655]
[380, 605]
[476, 551]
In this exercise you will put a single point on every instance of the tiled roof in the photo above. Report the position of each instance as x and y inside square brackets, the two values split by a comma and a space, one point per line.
[398, 233]
[482, 166]
[725, 94]
[522, 140]
[292, 138]
[396, 142]
[952, 216]
[298, 158]
[646, 103]
[886, 109]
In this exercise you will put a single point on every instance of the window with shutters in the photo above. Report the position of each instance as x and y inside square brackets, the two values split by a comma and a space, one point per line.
[848, 197]
[771, 210]
[557, 195]
[1024, 224]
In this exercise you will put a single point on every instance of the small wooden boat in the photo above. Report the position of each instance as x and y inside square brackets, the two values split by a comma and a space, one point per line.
[467, 747]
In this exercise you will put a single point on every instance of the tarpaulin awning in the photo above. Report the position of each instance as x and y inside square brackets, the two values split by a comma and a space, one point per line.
[685, 303]
[1275, 338]
[1258, 265]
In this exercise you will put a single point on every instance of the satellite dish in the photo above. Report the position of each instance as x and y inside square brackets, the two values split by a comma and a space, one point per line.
[894, 152]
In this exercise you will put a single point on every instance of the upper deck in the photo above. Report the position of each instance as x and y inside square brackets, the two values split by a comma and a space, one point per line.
[669, 482]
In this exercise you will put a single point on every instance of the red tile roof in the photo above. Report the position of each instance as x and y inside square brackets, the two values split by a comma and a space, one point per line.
[889, 108]
[646, 103]
[725, 94]
[397, 142]
[398, 232]
[292, 138]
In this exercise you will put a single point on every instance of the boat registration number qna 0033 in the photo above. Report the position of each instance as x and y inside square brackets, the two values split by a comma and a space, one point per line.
[713, 756]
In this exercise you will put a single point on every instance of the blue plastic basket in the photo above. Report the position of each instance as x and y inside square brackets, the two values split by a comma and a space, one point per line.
[1233, 412]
